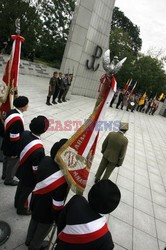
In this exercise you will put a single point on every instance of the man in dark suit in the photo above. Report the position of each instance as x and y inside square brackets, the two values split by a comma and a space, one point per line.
[120, 99]
[114, 150]
[60, 88]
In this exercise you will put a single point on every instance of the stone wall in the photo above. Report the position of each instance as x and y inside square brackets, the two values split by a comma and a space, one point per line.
[29, 68]
[90, 28]
[162, 110]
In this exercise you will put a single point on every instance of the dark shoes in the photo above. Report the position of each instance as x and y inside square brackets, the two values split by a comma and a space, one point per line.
[24, 212]
[48, 103]
[59, 101]
[12, 183]
[44, 246]
[54, 102]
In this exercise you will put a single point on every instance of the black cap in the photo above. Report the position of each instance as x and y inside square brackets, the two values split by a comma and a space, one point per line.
[39, 125]
[104, 196]
[20, 102]
[56, 147]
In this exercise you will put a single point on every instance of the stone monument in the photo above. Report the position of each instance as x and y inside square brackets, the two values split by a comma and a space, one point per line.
[88, 39]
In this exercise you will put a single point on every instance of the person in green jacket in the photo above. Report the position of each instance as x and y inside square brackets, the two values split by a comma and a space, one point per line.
[114, 150]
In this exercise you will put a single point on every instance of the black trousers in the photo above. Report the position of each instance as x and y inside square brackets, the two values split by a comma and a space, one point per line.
[56, 93]
[60, 94]
[37, 232]
[119, 102]
[21, 196]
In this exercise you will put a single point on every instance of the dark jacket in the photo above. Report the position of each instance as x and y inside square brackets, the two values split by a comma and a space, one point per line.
[49, 193]
[80, 227]
[14, 127]
[31, 152]
[61, 84]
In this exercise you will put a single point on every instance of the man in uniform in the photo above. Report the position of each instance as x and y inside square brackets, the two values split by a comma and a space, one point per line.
[47, 199]
[67, 81]
[31, 152]
[114, 150]
[14, 127]
[52, 86]
[81, 224]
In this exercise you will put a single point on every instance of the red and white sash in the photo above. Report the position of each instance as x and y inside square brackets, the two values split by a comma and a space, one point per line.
[29, 149]
[84, 233]
[11, 119]
[50, 183]
[57, 205]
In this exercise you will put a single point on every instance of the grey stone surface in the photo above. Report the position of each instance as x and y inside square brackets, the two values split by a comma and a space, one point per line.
[142, 241]
[30, 68]
[139, 221]
[144, 222]
[121, 232]
[161, 229]
[90, 27]
[143, 205]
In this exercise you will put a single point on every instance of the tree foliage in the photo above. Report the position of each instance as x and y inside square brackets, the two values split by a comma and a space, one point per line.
[125, 28]
[150, 75]
[45, 26]
[147, 70]
[29, 21]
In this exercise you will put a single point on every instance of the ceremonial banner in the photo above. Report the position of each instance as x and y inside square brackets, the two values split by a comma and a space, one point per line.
[161, 97]
[132, 91]
[76, 156]
[142, 100]
[127, 87]
[10, 78]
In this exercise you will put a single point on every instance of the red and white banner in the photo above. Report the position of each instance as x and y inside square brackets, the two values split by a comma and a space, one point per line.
[132, 91]
[75, 157]
[127, 87]
[10, 77]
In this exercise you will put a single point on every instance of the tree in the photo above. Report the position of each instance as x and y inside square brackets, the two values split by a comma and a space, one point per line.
[150, 75]
[44, 24]
[122, 25]
[124, 42]
[30, 22]
[56, 16]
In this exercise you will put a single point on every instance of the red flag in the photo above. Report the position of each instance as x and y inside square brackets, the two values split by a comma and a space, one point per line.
[75, 157]
[127, 87]
[132, 90]
[10, 77]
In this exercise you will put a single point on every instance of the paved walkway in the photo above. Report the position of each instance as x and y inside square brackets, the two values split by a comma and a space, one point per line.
[139, 223]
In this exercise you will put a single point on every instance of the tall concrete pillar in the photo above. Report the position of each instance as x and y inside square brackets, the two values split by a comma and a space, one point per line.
[88, 36]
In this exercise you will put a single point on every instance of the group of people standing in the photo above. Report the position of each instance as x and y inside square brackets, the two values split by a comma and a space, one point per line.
[42, 188]
[59, 85]
[135, 102]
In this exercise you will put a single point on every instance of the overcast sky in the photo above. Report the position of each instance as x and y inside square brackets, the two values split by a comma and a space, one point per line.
[150, 17]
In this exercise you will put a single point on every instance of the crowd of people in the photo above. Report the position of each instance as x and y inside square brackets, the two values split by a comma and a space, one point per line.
[135, 102]
[59, 85]
[42, 187]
